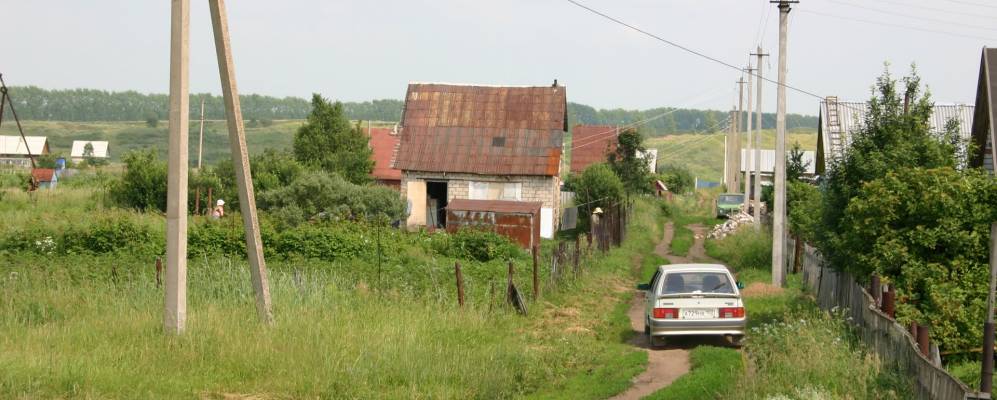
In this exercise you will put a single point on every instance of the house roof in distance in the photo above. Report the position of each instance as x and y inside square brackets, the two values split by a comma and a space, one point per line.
[493, 130]
[14, 145]
[590, 144]
[384, 142]
[99, 148]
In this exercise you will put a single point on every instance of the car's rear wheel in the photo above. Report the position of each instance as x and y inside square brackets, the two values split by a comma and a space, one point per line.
[737, 340]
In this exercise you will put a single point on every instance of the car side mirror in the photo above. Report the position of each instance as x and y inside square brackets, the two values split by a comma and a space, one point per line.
[740, 285]
[644, 286]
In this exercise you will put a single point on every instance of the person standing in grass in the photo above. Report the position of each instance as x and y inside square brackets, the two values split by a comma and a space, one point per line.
[219, 210]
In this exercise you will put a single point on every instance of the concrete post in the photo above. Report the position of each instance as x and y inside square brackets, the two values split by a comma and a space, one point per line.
[757, 195]
[240, 160]
[747, 165]
[737, 142]
[175, 313]
[779, 207]
[200, 138]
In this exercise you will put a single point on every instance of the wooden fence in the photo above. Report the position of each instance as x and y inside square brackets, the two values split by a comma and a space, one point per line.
[891, 341]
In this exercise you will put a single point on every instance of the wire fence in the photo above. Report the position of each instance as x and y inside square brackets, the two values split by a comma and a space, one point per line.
[893, 342]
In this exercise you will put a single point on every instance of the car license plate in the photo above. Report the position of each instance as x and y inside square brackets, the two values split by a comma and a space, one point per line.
[699, 313]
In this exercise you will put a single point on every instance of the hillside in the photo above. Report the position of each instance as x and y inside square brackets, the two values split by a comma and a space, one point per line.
[703, 154]
[34, 103]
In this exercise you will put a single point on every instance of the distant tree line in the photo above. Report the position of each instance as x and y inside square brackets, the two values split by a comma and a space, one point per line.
[34, 103]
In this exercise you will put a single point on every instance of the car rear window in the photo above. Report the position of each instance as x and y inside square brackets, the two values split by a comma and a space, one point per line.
[697, 282]
[731, 199]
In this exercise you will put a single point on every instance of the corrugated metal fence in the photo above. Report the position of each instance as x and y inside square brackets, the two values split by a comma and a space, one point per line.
[891, 341]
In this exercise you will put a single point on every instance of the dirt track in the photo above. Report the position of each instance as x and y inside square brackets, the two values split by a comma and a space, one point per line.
[665, 365]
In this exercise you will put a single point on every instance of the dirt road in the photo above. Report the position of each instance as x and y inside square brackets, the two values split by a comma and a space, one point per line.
[665, 365]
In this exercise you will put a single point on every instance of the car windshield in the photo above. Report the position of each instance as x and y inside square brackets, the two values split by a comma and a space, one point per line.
[697, 283]
[731, 199]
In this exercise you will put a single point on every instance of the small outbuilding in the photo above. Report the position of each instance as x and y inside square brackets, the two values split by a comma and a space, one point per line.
[517, 220]
[16, 151]
[46, 178]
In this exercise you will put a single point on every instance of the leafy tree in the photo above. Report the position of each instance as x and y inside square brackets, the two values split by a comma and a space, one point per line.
[677, 178]
[796, 166]
[927, 232]
[143, 185]
[328, 142]
[628, 162]
[271, 170]
[893, 138]
[47, 160]
[151, 122]
[804, 210]
[711, 122]
[89, 159]
[327, 196]
[597, 186]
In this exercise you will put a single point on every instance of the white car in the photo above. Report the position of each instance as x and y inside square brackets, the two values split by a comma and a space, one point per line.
[693, 299]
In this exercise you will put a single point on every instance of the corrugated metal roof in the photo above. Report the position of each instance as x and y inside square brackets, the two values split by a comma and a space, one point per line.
[502, 206]
[14, 145]
[99, 148]
[483, 129]
[384, 143]
[986, 112]
[590, 144]
[43, 174]
[851, 118]
[767, 158]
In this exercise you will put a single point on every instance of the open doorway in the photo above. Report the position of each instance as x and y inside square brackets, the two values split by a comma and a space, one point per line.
[436, 204]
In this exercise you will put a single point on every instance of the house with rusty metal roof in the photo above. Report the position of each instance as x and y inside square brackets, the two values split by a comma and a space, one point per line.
[481, 142]
[839, 120]
[384, 144]
[591, 144]
[984, 130]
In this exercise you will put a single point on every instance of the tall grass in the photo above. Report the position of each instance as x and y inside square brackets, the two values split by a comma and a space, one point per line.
[89, 326]
[748, 249]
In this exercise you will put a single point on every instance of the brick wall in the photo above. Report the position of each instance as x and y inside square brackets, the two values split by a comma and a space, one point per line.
[545, 189]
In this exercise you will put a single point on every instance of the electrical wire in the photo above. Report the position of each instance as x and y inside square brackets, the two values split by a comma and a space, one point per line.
[894, 25]
[686, 49]
[934, 9]
[915, 17]
[970, 3]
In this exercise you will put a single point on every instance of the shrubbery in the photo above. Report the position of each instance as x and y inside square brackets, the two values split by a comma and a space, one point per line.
[143, 185]
[320, 195]
[106, 235]
[477, 244]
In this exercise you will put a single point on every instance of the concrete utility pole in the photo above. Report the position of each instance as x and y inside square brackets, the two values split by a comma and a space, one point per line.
[738, 145]
[200, 139]
[779, 208]
[757, 195]
[732, 140]
[175, 315]
[751, 154]
[240, 160]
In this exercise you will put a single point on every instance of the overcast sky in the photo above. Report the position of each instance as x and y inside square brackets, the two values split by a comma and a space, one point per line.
[370, 49]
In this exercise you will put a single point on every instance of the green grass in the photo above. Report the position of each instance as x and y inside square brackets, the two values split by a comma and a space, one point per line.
[794, 349]
[703, 154]
[714, 373]
[89, 326]
[696, 208]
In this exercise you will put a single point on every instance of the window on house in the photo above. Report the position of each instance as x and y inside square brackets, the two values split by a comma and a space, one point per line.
[498, 141]
[495, 191]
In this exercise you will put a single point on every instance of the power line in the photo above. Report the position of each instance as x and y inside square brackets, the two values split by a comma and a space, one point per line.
[895, 25]
[970, 3]
[935, 9]
[915, 17]
[684, 48]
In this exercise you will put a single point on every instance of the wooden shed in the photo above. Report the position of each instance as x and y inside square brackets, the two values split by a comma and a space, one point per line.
[518, 220]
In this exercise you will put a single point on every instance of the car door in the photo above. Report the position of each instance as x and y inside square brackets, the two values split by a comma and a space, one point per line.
[651, 295]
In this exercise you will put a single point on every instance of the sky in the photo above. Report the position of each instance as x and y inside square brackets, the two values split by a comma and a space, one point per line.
[363, 50]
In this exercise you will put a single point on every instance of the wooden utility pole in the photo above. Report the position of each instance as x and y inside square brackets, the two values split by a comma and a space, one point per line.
[986, 382]
[200, 138]
[757, 195]
[175, 315]
[751, 154]
[779, 208]
[240, 160]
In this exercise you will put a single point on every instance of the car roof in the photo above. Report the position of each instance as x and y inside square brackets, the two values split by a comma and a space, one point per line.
[693, 267]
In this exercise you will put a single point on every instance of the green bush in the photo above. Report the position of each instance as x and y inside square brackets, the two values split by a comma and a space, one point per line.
[114, 234]
[744, 250]
[677, 178]
[479, 244]
[597, 186]
[320, 195]
[143, 185]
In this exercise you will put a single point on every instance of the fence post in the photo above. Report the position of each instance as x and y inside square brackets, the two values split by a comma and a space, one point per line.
[209, 200]
[924, 340]
[876, 290]
[578, 243]
[159, 272]
[197, 201]
[913, 330]
[460, 283]
[536, 273]
[888, 302]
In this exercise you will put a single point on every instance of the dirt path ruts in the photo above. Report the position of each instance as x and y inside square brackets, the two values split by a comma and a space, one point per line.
[664, 366]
